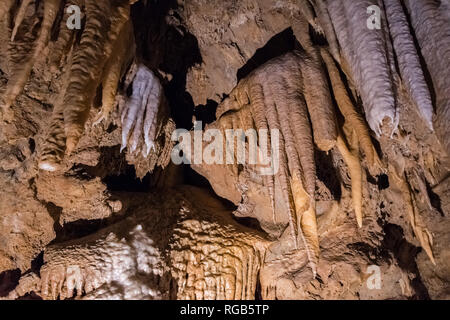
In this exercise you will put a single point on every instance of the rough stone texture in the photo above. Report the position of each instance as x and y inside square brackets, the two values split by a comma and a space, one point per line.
[117, 233]
[228, 36]
[25, 225]
[202, 254]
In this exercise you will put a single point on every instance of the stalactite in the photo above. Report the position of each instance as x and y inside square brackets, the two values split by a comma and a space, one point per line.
[104, 21]
[302, 132]
[5, 6]
[65, 38]
[276, 99]
[371, 69]
[420, 231]
[283, 174]
[306, 222]
[408, 60]
[54, 146]
[341, 28]
[19, 17]
[327, 25]
[308, 12]
[257, 103]
[318, 100]
[352, 117]
[355, 170]
[433, 35]
[139, 117]
[55, 143]
[20, 77]
[115, 68]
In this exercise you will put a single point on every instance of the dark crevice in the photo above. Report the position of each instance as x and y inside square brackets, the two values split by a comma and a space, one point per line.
[206, 113]
[382, 182]
[113, 169]
[8, 281]
[30, 296]
[55, 212]
[165, 45]
[37, 263]
[249, 222]
[405, 254]
[258, 290]
[327, 174]
[110, 162]
[375, 255]
[434, 199]
[278, 45]
[128, 181]
[78, 229]
[32, 145]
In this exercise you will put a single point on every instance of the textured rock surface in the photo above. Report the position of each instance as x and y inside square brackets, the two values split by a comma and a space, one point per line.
[120, 225]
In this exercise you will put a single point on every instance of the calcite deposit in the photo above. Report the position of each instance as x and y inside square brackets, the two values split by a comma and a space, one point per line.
[349, 101]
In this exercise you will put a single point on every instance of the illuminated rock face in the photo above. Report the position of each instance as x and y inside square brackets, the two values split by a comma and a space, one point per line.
[357, 92]
[201, 254]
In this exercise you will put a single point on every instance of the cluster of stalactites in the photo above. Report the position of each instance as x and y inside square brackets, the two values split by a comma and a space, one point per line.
[370, 54]
[291, 94]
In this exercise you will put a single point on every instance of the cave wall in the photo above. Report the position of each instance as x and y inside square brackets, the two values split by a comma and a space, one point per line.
[200, 51]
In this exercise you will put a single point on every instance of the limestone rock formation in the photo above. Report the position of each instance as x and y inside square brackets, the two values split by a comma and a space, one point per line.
[343, 106]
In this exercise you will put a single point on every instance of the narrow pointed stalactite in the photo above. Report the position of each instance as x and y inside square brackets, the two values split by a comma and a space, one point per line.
[124, 51]
[352, 117]
[420, 231]
[104, 22]
[319, 103]
[283, 174]
[303, 202]
[408, 60]
[302, 134]
[355, 171]
[325, 21]
[300, 125]
[307, 11]
[65, 39]
[341, 29]
[54, 146]
[19, 17]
